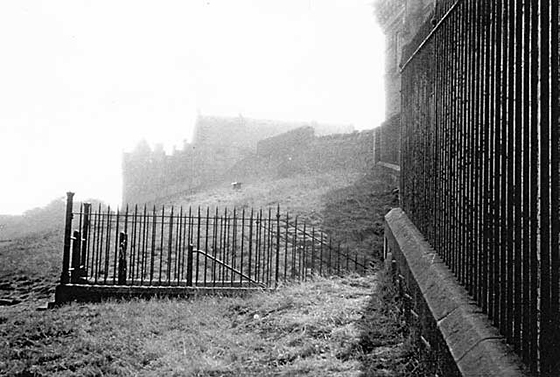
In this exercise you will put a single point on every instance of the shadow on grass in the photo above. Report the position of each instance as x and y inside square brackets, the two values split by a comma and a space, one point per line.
[387, 344]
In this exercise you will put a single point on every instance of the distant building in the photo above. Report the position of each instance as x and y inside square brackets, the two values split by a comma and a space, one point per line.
[401, 21]
[218, 144]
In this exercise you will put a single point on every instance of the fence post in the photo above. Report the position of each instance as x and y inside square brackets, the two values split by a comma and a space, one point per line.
[64, 276]
[312, 250]
[123, 240]
[321, 255]
[347, 259]
[303, 256]
[277, 244]
[338, 260]
[75, 268]
[190, 265]
[85, 236]
[330, 269]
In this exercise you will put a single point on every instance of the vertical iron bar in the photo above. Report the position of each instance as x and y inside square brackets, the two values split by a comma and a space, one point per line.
[65, 276]
[214, 246]
[205, 242]
[277, 246]
[233, 245]
[242, 260]
[85, 240]
[321, 255]
[294, 250]
[555, 181]
[107, 246]
[526, 263]
[312, 250]
[304, 254]
[75, 264]
[286, 246]
[169, 247]
[546, 328]
[178, 239]
[117, 241]
[122, 267]
[133, 246]
[329, 268]
[154, 240]
[190, 259]
[250, 256]
[96, 240]
[518, 171]
[338, 260]
[161, 243]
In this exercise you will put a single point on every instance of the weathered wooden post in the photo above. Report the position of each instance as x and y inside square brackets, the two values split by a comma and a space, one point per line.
[65, 276]
[75, 268]
[190, 265]
[123, 241]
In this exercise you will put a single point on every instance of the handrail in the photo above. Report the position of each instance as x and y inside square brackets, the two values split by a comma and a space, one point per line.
[341, 253]
[425, 41]
[229, 267]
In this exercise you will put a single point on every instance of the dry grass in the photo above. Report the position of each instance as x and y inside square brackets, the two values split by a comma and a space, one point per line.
[341, 326]
[300, 195]
[324, 327]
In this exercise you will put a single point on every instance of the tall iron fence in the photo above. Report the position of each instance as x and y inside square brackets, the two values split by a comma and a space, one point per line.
[480, 161]
[189, 247]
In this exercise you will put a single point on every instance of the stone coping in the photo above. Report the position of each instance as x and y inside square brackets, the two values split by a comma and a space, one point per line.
[476, 346]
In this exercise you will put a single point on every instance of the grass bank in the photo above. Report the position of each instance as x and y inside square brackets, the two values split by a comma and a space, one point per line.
[323, 327]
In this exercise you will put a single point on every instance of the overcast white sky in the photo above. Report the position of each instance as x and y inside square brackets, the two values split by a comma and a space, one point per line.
[82, 80]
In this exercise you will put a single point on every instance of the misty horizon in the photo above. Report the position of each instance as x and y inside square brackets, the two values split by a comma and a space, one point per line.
[83, 82]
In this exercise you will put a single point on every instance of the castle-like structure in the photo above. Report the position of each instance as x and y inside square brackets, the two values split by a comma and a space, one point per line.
[218, 144]
[401, 21]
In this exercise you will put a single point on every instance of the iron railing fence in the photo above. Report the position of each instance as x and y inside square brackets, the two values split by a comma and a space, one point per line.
[143, 246]
[480, 161]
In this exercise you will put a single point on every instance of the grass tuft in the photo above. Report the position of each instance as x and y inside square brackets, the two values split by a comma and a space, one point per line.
[324, 327]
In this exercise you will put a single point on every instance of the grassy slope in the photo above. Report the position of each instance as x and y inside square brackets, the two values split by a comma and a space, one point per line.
[30, 252]
[301, 195]
[326, 327]
[354, 215]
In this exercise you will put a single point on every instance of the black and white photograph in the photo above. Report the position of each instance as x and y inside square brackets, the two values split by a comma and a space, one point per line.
[224, 188]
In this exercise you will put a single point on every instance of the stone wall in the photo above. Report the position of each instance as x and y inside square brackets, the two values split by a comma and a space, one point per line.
[286, 144]
[299, 151]
[453, 333]
[219, 143]
[387, 141]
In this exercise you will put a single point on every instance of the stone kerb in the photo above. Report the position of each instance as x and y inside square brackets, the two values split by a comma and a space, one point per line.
[474, 345]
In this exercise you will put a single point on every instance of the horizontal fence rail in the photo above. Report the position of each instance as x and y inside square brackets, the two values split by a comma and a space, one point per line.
[480, 161]
[143, 246]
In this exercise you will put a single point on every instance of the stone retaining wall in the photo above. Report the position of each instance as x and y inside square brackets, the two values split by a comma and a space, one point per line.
[455, 331]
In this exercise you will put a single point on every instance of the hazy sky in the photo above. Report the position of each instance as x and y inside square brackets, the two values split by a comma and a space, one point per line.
[82, 80]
